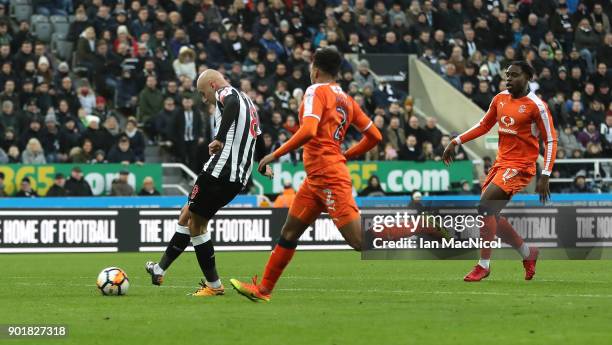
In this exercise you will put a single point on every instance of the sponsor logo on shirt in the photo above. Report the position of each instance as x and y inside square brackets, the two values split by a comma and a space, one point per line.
[507, 121]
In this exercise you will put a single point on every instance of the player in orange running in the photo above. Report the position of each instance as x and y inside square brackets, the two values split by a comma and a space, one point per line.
[523, 118]
[325, 114]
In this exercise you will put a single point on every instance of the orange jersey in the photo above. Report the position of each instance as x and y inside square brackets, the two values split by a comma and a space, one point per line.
[521, 123]
[335, 111]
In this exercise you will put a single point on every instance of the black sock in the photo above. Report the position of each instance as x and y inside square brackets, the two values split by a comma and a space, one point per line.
[205, 253]
[177, 245]
[287, 244]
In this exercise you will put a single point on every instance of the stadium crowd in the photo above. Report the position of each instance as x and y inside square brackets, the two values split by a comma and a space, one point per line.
[131, 81]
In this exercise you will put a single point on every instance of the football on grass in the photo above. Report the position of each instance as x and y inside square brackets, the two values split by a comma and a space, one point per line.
[113, 281]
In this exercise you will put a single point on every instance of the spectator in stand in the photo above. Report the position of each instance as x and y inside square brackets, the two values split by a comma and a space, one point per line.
[189, 137]
[184, 65]
[164, 121]
[150, 103]
[58, 188]
[25, 189]
[32, 132]
[86, 47]
[99, 157]
[122, 153]
[373, 188]
[14, 155]
[363, 75]
[410, 151]
[87, 98]
[413, 128]
[568, 141]
[427, 152]
[586, 41]
[395, 135]
[120, 185]
[589, 135]
[10, 118]
[69, 137]
[580, 184]
[76, 184]
[100, 137]
[33, 154]
[291, 125]
[262, 47]
[451, 76]
[137, 141]
[50, 138]
[431, 133]
[148, 188]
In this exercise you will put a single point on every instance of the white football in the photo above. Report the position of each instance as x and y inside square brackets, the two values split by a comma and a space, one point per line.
[113, 281]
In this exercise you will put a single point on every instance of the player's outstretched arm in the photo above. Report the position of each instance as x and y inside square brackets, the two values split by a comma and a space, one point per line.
[307, 131]
[371, 134]
[481, 128]
[371, 137]
[231, 107]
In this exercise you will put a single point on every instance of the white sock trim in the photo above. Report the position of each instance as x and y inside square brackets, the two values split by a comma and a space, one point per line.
[200, 239]
[215, 285]
[524, 250]
[182, 229]
[158, 270]
[484, 263]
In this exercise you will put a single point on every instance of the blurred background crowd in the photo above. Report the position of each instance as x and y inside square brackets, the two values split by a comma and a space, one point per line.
[99, 81]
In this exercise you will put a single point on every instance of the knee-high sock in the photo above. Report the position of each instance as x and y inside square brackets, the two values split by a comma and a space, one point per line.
[506, 232]
[487, 233]
[279, 258]
[205, 252]
[175, 248]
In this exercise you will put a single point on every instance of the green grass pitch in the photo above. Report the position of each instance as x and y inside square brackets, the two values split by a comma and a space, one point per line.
[323, 298]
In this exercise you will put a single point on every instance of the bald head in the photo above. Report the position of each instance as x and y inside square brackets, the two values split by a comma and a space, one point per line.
[210, 81]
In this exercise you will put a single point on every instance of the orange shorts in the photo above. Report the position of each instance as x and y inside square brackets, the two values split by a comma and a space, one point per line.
[509, 180]
[329, 190]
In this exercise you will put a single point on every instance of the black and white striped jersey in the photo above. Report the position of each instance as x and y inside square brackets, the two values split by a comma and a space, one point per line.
[237, 126]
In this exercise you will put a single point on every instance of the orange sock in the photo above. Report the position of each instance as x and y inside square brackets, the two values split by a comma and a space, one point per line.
[279, 258]
[487, 233]
[508, 235]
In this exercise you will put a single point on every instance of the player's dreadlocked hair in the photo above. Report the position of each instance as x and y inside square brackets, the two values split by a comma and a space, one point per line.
[328, 60]
[525, 67]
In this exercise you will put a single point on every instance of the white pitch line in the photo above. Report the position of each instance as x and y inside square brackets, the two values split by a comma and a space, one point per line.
[361, 291]
[458, 278]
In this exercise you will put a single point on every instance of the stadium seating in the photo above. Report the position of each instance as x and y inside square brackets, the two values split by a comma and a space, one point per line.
[436, 33]
[60, 24]
[41, 27]
[61, 46]
[20, 10]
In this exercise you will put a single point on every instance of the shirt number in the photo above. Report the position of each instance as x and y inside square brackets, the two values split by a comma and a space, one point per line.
[338, 134]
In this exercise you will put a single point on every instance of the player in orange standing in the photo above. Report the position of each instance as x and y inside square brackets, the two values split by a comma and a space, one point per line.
[523, 119]
[325, 114]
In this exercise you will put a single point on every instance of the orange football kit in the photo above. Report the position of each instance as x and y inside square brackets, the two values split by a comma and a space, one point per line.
[327, 110]
[521, 123]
